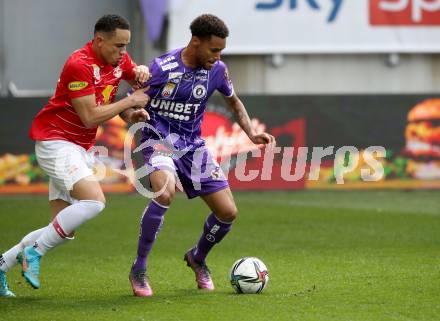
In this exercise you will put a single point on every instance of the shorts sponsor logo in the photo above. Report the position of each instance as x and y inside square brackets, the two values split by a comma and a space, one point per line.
[77, 85]
[199, 91]
[72, 170]
[216, 174]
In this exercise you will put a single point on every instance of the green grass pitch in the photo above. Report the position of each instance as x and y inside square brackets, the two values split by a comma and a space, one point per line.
[355, 256]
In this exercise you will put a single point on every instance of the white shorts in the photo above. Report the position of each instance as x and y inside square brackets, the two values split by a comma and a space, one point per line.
[65, 163]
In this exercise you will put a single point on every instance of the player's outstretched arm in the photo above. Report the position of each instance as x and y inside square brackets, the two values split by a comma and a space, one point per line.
[92, 115]
[135, 114]
[244, 121]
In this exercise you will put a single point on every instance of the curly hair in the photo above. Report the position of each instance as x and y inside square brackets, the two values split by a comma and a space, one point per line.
[111, 22]
[207, 25]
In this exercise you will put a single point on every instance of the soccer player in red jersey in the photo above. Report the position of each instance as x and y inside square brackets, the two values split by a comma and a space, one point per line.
[65, 129]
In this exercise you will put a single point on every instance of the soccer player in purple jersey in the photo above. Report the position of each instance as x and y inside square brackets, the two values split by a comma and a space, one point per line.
[181, 83]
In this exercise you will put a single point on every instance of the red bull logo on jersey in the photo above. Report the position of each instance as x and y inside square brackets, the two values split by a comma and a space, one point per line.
[117, 72]
[96, 73]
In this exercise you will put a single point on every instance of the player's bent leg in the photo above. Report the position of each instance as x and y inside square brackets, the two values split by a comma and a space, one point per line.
[151, 221]
[216, 226]
[140, 283]
[201, 270]
[4, 289]
[218, 223]
[30, 265]
[90, 203]
[57, 206]
[13, 256]
[222, 204]
[163, 183]
[88, 188]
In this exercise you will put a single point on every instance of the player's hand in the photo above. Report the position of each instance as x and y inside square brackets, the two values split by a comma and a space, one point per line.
[264, 138]
[142, 73]
[139, 115]
[139, 98]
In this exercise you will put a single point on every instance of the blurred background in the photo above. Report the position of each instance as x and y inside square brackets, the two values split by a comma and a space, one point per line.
[314, 73]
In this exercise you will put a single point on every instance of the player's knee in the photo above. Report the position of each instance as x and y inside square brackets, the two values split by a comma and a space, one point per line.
[166, 197]
[91, 208]
[228, 214]
[96, 197]
[232, 214]
[99, 198]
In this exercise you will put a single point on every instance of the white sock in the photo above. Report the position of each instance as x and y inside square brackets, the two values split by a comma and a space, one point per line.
[67, 221]
[10, 256]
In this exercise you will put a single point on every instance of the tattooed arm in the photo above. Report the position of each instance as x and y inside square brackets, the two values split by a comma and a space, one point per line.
[242, 118]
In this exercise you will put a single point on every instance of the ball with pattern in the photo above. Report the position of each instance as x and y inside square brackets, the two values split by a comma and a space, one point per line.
[249, 275]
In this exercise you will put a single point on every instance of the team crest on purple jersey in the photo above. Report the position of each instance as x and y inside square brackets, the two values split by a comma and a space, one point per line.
[167, 91]
[199, 92]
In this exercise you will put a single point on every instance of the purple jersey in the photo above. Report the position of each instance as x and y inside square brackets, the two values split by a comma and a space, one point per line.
[178, 98]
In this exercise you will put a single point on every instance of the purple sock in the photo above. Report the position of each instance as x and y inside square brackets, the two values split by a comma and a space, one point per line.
[150, 225]
[213, 232]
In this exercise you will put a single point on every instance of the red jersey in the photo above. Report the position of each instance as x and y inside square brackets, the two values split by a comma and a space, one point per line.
[83, 74]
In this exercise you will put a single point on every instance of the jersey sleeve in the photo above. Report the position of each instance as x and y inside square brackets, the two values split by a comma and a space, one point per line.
[156, 77]
[78, 79]
[156, 74]
[127, 71]
[225, 87]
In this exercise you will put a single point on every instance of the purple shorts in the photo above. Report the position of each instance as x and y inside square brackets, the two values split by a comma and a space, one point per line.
[197, 171]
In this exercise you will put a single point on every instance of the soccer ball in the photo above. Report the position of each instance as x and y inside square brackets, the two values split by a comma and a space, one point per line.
[249, 275]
